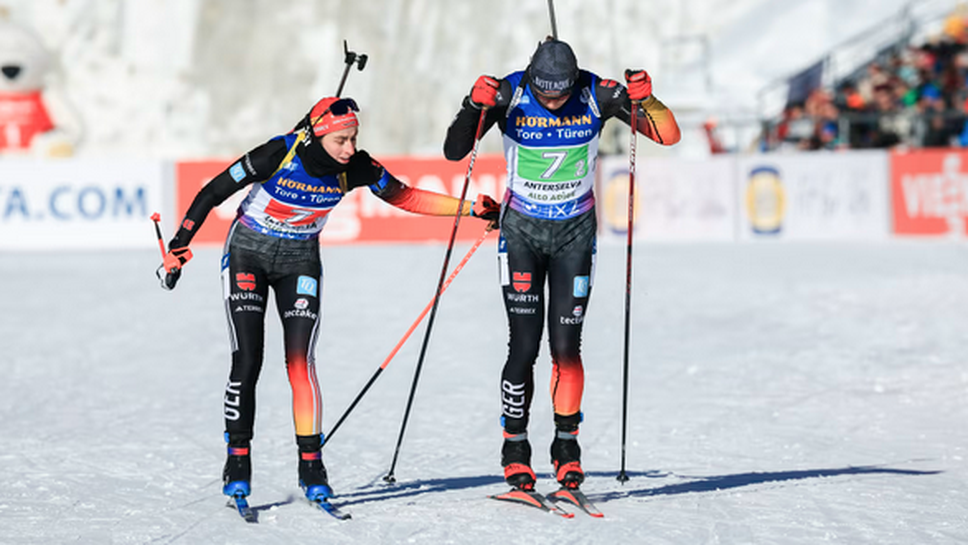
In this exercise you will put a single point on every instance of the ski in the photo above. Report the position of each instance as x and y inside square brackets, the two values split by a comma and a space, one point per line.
[330, 509]
[242, 505]
[577, 498]
[532, 499]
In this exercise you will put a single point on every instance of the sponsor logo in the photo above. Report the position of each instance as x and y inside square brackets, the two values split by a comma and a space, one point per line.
[188, 224]
[581, 286]
[521, 281]
[246, 296]
[523, 297]
[286, 183]
[552, 85]
[297, 313]
[249, 308]
[765, 200]
[225, 261]
[68, 203]
[520, 310]
[301, 304]
[546, 122]
[930, 194]
[237, 172]
[577, 316]
[245, 281]
[306, 285]
[608, 83]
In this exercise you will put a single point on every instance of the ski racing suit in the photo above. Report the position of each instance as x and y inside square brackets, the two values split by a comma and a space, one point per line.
[548, 225]
[273, 243]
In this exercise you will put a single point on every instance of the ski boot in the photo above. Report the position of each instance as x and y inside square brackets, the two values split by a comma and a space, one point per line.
[312, 473]
[237, 471]
[566, 456]
[516, 459]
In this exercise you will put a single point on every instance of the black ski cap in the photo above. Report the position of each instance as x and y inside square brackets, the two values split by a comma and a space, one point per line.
[553, 69]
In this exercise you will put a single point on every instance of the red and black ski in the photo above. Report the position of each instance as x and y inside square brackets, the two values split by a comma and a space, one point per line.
[532, 499]
[577, 498]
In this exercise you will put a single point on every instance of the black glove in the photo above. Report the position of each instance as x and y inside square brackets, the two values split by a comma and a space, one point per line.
[487, 209]
[168, 279]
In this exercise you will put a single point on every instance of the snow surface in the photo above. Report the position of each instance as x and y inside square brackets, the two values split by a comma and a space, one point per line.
[780, 393]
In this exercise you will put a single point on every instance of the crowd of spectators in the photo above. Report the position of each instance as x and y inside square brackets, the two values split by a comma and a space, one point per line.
[916, 97]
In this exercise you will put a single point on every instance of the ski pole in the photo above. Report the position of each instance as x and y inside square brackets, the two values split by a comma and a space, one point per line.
[622, 476]
[156, 217]
[169, 263]
[350, 59]
[403, 339]
[551, 13]
[433, 310]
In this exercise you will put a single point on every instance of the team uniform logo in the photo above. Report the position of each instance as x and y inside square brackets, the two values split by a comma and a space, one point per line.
[245, 281]
[521, 281]
[581, 286]
[237, 172]
[306, 285]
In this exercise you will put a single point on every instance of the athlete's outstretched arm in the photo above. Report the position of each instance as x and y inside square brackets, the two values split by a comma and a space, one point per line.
[366, 171]
[418, 201]
[255, 166]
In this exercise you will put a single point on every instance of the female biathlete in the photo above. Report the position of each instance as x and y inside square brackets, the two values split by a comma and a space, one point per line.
[296, 180]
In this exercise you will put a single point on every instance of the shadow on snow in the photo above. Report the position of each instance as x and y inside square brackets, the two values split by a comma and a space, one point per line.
[375, 491]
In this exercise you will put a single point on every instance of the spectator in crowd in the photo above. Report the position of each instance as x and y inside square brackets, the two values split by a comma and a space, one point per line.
[915, 96]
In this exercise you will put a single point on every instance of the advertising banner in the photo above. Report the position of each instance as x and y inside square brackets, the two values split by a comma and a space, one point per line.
[676, 199]
[929, 189]
[815, 196]
[71, 203]
[360, 216]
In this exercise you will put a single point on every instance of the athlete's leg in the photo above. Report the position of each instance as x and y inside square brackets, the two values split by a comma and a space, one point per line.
[569, 287]
[522, 272]
[522, 284]
[245, 290]
[297, 299]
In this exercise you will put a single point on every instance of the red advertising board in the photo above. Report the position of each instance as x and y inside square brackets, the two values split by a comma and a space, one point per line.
[360, 216]
[929, 190]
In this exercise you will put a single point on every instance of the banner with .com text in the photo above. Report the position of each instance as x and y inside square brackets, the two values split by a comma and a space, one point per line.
[80, 204]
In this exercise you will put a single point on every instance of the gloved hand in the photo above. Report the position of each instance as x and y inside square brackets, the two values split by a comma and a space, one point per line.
[168, 279]
[170, 270]
[487, 209]
[639, 84]
[484, 92]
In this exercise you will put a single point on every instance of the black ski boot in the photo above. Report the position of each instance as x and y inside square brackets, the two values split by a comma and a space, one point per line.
[516, 459]
[237, 471]
[566, 455]
[312, 473]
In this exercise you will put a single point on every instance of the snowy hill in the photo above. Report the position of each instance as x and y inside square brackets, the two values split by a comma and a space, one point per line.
[203, 78]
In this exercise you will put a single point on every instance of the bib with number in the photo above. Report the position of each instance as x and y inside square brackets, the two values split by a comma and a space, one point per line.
[551, 155]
